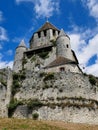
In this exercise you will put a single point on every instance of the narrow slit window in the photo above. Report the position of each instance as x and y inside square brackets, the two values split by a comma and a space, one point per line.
[39, 34]
[45, 33]
[67, 46]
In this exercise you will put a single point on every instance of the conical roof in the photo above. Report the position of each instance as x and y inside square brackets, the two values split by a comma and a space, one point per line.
[62, 33]
[47, 26]
[22, 44]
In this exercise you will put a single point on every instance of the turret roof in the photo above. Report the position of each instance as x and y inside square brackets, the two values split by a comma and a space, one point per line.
[62, 33]
[22, 44]
[46, 26]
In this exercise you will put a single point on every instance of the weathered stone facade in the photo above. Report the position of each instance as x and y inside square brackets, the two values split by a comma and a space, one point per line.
[65, 97]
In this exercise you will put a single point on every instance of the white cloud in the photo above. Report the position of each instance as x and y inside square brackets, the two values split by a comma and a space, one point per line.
[90, 50]
[3, 34]
[85, 46]
[4, 64]
[43, 8]
[92, 5]
[46, 8]
[93, 69]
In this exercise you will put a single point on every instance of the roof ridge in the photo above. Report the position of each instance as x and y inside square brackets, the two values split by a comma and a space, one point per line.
[47, 25]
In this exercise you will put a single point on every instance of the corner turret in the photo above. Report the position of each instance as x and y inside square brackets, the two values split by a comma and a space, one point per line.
[19, 56]
[63, 46]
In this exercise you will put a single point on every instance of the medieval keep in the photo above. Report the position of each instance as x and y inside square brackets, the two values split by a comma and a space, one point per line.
[49, 50]
[46, 80]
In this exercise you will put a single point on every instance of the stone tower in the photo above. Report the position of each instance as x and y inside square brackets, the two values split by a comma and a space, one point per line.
[63, 46]
[44, 35]
[19, 56]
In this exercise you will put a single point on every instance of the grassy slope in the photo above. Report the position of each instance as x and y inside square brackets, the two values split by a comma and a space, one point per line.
[19, 124]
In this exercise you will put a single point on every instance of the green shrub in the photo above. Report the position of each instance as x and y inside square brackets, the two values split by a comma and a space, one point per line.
[3, 82]
[22, 76]
[15, 76]
[43, 54]
[34, 103]
[33, 58]
[13, 105]
[92, 79]
[35, 116]
[53, 42]
[16, 84]
[24, 61]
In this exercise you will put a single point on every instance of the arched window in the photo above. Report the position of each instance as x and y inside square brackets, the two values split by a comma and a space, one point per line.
[62, 69]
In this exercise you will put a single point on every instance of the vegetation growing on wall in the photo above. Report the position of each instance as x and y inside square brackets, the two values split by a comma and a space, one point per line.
[53, 42]
[24, 61]
[33, 58]
[13, 105]
[92, 79]
[17, 81]
[43, 54]
[49, 76]
[35, 103]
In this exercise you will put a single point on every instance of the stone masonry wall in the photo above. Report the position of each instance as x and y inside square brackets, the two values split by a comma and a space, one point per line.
[67, 97]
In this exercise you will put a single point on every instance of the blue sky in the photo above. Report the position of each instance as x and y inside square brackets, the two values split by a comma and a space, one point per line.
[79, 19]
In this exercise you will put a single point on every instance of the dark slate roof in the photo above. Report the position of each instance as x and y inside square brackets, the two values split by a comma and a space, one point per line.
[60, 61]
[47, 26]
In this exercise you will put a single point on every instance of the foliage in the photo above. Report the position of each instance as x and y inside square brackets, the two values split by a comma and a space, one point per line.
[49, 76]
[13, 105]
[92, 79]
[43, 54]
[53, 42]
[35, 116]
[17, 79]
[34, 103]
[3, 82]
[15, 76]
[33, 58]
[22, 76]
[24, 61]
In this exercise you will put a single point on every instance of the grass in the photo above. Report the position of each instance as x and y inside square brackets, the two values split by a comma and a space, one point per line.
[25, 124]
[28, 124]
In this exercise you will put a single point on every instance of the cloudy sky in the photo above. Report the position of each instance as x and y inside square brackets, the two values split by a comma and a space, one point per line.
[79, 19]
